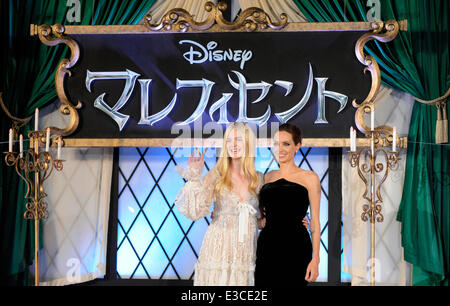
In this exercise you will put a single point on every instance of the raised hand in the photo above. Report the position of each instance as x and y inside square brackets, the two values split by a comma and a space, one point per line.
[196, 161]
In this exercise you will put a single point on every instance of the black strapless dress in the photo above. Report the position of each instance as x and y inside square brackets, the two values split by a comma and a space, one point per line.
[284, 247]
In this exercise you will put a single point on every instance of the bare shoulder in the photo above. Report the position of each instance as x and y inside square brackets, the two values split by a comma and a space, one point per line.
[308, 178]
[310, 174]
[269, 176]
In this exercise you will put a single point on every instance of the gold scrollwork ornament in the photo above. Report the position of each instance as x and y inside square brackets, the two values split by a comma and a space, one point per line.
[383, 32]
[52, 36]
[251, 19]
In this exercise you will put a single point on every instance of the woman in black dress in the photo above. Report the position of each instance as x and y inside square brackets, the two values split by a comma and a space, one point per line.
[285, 255]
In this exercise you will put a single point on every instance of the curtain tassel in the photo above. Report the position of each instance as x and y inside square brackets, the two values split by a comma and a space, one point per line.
[442, 123]
[441, 134]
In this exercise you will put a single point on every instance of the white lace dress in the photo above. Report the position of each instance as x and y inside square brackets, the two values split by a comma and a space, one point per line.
[228, 252]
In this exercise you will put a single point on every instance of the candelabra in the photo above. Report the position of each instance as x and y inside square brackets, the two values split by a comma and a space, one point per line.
[41, 164]
[358, 159]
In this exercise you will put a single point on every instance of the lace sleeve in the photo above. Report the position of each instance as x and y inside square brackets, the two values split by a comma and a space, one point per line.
[195, 198]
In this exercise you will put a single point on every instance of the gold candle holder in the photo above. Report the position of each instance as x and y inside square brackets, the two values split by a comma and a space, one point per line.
[41, 164]
[372, 211]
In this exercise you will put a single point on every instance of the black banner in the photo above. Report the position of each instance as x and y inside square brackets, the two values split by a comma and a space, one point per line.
[154, 85]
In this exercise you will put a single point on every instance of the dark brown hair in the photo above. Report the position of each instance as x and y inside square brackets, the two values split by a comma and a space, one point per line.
[295, 132]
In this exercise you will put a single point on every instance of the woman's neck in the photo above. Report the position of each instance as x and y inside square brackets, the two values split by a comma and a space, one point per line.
[236, 165]
[287, 167]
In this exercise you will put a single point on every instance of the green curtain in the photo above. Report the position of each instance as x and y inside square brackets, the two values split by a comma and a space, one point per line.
[417, 62]
[27, 82]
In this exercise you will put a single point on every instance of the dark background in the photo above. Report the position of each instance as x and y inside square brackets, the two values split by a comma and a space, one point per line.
[276, 56]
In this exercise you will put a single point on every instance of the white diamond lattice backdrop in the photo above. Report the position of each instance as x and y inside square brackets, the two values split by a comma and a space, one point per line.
[154, 240]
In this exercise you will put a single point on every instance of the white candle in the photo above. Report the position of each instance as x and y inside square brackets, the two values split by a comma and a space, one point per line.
[394, 140]
[11, 135]
[351, 138]
[21, 146]
[59, 150]
[36, 119]
[354, 140]
[47, 140]
[372, 119]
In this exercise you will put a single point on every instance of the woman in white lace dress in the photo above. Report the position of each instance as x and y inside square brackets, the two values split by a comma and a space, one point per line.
[227, 254]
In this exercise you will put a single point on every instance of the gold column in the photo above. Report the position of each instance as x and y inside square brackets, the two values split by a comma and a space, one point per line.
[372, 208]
[35, 140]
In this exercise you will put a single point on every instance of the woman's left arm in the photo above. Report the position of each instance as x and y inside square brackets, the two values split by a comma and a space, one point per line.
[314, 193]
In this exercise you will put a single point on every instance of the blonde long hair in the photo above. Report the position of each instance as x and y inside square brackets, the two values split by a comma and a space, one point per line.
[223, 169]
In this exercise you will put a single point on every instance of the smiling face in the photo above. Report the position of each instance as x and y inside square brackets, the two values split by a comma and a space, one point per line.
[284, 146]
[235, 143]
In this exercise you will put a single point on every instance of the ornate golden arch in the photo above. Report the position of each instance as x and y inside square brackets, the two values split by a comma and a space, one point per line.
[250, 20]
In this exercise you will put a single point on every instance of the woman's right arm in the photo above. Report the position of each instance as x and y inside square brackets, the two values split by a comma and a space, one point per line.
[262, 220]
[196, 196]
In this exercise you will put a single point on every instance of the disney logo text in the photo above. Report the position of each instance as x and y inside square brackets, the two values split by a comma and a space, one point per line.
[207, 54]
